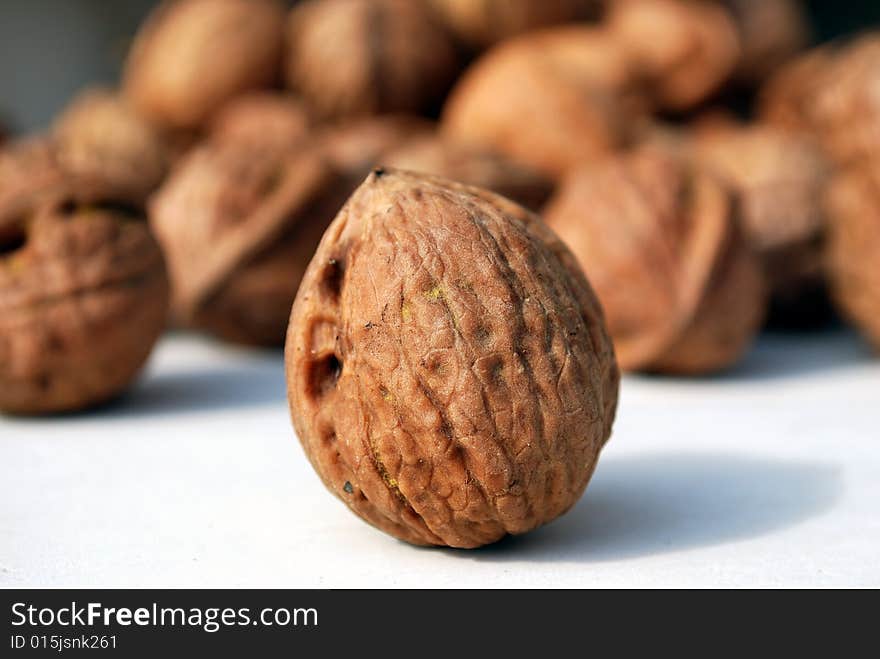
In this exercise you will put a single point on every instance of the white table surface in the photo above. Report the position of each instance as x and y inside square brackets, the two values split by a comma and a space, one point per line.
[769, 476]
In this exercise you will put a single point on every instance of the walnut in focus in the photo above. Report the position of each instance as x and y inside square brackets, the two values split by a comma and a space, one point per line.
[98, 136]
[193, 55]
[780, 177]
[449, 373]
[83, 298]
[660, 241]
[551, 99]
[238, 227]
[684, 50]
[262, 120]
[364, 57]
[853, 253]
[431, 154]
[481, 23]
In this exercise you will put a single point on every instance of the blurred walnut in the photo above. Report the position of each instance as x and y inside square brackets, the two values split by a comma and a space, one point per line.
[193, 55]
[83, 298]
[780, 177]
[685, 50]
[787, 97]
[853, 256]
[364, 57]
[238, 227]
[481, 23]
[431, 154]
[355, 147]
[550, 99]
[660, 242]
[100, 137]
[29, 175]
[770, 31]
[262, 120]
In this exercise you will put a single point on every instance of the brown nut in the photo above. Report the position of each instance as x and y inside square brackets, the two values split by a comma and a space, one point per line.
[262, 120]
[661, 244]
[684, 50]
[238, 228]
[551, 99]
[99, 137]
[780, 177]
[481, 23]
[431, 154]
[29, 175]
[193, 55]
[449, 373]
[853, 256]
[363, 57]
[787, 97]
[83, 298]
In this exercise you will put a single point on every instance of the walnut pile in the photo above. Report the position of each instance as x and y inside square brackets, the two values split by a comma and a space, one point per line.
[431, 154]
[550, 100]
[83, 298]
[853, 254]
[262, 120]
[358, 57]
[481, 23]
[192, 55]
[780, 177]
[661, 243]
[449, 372]
[238, 228]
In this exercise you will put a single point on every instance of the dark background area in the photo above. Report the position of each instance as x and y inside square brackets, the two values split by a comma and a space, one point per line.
[49, 49]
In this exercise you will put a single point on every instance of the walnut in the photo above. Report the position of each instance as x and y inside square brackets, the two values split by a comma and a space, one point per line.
[83, 298]
[685, 50]
[786, 98]
[365, 57]
[481, 23]
[551, 99]
[661, 243]
[355, 147]
[99, 137]
[262, 120]
[193, 55]
[853, 252]
[449, 373]
[481, 168]
[780, 177]
[29, 175]
[238, 227]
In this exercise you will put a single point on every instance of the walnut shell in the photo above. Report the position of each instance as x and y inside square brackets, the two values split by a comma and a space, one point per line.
[99, 136]
[449, 373]
[853, 247]
[786, 98]
[262, 120]
[238, 228]
[780, 177]
[661, 243]
[193, 55]
[364, 57]
[83, 298]
[551, 99]
[685, 50]
[481, 23]
[431, 154]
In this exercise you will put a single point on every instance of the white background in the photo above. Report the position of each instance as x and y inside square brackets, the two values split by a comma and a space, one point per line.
[767, 476]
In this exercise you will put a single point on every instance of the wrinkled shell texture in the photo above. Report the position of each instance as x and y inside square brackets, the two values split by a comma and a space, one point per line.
[262, 120]
[449, 373]
[550, 100]
[771, 31]
[481, 23]
[238, 228]
[365, 57]
[473, 166]
[99, 136]
[686, 50]
[682, 291]
[780, 177]
[29, 174]
[192, 55]
[854, 248]
[83, 298]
